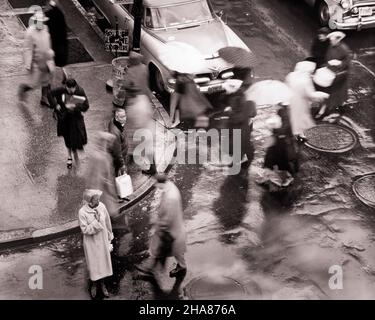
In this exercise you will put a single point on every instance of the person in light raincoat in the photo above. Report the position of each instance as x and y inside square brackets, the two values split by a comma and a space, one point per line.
[100, 171]
[169, 235]
[303, 94]
[96, 228]
[38, 58]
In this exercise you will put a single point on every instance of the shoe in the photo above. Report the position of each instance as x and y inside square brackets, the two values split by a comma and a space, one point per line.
[176, 271]
[45, 104]
[105, 291]
[93, 290]
[69, 163]
[301, 139]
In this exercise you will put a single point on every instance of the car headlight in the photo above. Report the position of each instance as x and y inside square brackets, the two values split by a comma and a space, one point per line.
[345, 4]
[355, 10]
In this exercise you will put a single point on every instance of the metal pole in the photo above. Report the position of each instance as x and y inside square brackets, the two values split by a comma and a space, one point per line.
[138, 12]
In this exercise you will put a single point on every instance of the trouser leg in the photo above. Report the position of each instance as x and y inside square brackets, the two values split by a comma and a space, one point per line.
[180, 259]
[46, 92]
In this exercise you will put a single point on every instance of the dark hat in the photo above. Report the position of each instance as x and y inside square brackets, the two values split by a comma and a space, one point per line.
[71, 83]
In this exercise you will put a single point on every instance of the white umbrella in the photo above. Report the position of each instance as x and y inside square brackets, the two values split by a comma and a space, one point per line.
[182, 57]
[269, 92]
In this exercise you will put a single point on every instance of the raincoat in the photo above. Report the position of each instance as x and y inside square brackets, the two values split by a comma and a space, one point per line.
[97, 235]
[339, 89]
[170, 219]
[303, 94]
[100, 174]
[38, 57]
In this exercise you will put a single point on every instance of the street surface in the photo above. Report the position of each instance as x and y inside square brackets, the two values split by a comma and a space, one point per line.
[277, 248]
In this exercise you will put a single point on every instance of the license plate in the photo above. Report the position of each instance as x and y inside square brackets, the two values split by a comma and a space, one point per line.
[215, 88]
[367, 11]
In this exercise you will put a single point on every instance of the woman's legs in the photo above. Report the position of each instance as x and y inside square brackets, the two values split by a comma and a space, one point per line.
[69, 163]
[76, 158]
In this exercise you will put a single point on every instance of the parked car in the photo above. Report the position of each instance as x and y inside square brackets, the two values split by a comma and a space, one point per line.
[345, 14]
[192, 22]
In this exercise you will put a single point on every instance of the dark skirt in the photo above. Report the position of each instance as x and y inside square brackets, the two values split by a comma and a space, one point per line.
[73, 129]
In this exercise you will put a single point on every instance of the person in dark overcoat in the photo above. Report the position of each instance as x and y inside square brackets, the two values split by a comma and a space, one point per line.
[58, 30]
[320, 47]
[70, 120]
[339, 60]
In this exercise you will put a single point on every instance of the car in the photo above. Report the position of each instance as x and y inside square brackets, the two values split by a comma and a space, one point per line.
[345, 14]
[191, 22]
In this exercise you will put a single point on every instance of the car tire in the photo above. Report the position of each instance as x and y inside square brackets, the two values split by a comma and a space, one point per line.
[323, 13]
[157, 83]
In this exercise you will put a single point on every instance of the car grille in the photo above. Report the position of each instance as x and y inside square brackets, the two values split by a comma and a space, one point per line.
[351, 14]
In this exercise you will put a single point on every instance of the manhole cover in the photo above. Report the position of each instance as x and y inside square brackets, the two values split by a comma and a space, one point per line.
[364, 189]
[218, 288]
[331, 138]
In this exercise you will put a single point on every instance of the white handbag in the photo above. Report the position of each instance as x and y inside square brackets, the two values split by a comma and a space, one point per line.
[324, 77]
[124, 185]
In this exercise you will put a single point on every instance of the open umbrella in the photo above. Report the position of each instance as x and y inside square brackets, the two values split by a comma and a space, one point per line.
[238, 57]
[182, 57]
[269, 92]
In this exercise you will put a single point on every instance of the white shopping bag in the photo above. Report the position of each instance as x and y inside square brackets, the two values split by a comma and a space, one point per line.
[124, 185]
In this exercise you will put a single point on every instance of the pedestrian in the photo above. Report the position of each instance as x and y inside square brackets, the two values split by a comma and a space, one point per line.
[242, 111]
[339, 60]
[138, 73]
[119, 150]
[303, 94]
[69, 103]
[139, 117]
[58, 30]
[38, 58]
[169, 235]
[100, 172]
[320, 47]
[96, 227]
[187, 103]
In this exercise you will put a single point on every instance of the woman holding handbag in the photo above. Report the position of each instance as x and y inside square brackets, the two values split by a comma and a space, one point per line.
[96, 227]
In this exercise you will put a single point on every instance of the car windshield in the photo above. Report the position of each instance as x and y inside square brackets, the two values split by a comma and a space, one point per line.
[180, 14]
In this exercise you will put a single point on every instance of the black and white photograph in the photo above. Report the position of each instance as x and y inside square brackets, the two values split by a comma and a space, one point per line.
[187, 150]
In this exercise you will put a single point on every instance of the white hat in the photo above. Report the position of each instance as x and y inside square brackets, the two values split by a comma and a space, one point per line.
[324, 77]
[338, 35]
[39, 16]
[305, 66]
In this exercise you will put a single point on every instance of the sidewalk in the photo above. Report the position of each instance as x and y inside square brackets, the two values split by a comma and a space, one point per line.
[40, 197]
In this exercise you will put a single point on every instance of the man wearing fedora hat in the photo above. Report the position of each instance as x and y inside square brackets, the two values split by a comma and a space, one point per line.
[38, 58]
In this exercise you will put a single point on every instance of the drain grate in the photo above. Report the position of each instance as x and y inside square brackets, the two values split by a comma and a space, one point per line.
[218, 288]
[364, 189]
[331, 138]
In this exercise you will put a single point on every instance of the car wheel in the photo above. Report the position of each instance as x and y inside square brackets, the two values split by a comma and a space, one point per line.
[157, 83]
[323, 12]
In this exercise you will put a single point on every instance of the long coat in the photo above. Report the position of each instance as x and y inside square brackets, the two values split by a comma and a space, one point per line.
[38, 56]
[339, 89]
[100, 176]
[58, 31]
[70, 123]
[96, 238]
[119, 149]
[303, 94]
[170, 218]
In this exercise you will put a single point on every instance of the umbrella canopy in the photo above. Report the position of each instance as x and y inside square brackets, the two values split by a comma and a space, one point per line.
[238, 57]
[182, 57]
[269, 92]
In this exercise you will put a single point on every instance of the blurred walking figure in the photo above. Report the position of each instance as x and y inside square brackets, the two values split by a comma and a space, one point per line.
[339, 60]
[38, 58]
[96, 227]
[58, 31]
[187, 103]
[302, 95]
[139, 116]
[241, 113]
[100, 172]
[69, 102]
[119, 148]
[169, 237]
[320, 47]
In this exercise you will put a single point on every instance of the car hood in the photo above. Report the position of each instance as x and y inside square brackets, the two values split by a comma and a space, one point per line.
[207, 38]
[361, 1]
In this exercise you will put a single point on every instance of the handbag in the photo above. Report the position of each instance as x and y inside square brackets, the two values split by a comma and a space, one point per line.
[124, 185]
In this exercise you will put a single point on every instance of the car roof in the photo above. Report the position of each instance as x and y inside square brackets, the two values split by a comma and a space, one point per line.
[161, 3]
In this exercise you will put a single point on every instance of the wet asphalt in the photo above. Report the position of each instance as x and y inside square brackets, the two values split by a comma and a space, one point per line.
[276, 246]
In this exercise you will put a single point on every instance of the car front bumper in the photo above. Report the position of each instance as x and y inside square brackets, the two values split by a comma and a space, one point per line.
[356, 23]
